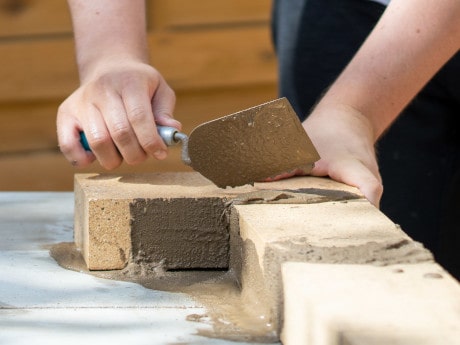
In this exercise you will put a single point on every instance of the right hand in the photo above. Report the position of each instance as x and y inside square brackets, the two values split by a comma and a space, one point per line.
[117, 107]
[345, 140]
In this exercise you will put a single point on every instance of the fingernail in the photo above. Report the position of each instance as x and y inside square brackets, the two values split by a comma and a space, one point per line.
[160, 154]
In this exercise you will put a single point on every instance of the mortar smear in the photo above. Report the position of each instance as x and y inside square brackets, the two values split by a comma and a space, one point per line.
[231, 317]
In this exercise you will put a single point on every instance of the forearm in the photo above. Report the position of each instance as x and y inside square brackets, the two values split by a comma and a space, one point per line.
[100, 39]
[413, 39]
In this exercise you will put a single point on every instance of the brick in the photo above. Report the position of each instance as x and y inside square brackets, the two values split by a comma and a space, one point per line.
[303, 237]
[400, 304]
[156, 215]
[339, 232]
[175, 219]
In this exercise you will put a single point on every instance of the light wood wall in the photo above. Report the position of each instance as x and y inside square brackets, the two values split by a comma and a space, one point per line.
[217, 55]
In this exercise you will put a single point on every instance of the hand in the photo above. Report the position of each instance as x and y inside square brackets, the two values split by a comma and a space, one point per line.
[302, 171]
[117, 107]
[345, 140]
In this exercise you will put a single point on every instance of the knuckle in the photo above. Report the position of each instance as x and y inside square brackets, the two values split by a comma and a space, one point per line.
[62, 109]
[121, 133]
[153, 76]
[136, 114]
[66, 148]
[97, 142]
[152, 144]
[112, 164]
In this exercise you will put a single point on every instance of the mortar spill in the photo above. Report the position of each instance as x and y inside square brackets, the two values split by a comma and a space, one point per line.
[232, 316]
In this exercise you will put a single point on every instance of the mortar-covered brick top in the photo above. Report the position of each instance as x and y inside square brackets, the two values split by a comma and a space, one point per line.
[186, 184]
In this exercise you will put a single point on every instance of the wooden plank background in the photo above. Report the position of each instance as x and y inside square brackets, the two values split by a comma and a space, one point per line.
[218, 57]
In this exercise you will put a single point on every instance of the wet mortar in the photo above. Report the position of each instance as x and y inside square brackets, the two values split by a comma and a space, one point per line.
[182, 233]
[231, 317]
[251, 145]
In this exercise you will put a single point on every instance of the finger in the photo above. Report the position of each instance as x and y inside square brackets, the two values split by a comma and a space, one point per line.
[68, 132]
[99, 139]
[355, 173]
[118, 125]
[163, 103]
[139, 112]
[295, 172]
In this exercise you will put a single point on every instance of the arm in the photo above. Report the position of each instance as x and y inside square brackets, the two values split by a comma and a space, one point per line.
[410, 43]
[121, 96]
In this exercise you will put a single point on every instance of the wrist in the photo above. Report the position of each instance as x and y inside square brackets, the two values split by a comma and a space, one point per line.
[109, 64]
[342, 118]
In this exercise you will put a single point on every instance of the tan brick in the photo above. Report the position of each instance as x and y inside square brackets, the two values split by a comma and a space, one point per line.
[329, 232]
[170, 218]
[159, 216]
[400, 304]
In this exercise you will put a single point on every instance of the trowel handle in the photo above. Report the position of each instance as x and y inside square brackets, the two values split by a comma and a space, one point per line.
[170, 135]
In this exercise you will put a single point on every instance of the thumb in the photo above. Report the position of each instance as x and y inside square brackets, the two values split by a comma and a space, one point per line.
[353, 173]
[163, 103]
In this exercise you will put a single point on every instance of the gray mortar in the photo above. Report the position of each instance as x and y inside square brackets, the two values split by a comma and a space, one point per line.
[289, 196]
[180, 233]
[401, 251]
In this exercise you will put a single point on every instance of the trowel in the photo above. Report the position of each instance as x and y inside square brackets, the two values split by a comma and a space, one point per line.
[251, 145]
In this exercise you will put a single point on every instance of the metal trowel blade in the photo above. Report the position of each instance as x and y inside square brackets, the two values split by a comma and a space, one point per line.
[251, 145]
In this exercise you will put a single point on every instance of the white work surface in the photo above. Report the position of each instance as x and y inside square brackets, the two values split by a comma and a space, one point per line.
[42, 303]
